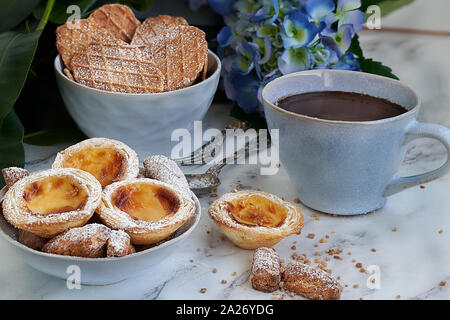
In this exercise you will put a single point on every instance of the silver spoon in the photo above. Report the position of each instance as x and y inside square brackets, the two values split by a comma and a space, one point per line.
[205, 182]
[196, 157]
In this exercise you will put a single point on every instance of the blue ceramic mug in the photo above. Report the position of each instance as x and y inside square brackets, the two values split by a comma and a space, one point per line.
[348, 167]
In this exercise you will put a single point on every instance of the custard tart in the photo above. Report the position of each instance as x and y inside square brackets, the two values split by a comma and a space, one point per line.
[49, 202]
[106, 159]
[148, 210]
[253, 219]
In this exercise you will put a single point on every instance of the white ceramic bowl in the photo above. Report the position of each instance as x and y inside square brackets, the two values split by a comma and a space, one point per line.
[96, 271]
[139, 120]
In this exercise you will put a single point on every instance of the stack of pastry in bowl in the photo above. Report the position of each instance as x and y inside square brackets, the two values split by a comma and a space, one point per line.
[96, 202]
[112, 50]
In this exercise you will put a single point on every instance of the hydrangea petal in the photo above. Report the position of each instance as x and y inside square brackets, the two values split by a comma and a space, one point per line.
[224, 36]
[298, 30]
[348, 5]
[293, 60]
[343, 37]
[355, 18]
[317, 9]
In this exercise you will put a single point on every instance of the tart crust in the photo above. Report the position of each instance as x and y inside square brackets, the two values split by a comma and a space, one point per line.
[117, 209]
[64, 185]
[108, 160]
[257, 231]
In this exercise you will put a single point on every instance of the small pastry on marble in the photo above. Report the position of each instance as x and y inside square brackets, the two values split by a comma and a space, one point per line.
[49, 202]
[119, 244]
[166, 170]
[266, 270]
[31, 240]
[309, 282]
[253, 219]
[88, 241]
[13, 174]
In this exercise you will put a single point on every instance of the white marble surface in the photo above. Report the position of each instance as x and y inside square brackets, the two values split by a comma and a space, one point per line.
[412, 260]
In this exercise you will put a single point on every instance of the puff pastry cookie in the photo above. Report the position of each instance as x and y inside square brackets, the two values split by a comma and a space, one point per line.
[253, 219]
[119, 244]
[266, 270]
[166, 170]
[148, 210]
[49, 202]
[106, 159]
[88, 241]
[13, 174]
[312, 283]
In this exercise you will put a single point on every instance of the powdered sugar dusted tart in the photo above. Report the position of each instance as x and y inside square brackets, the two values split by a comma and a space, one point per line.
[51, 201]
[253, 219]
[106, 159]
[148, 210]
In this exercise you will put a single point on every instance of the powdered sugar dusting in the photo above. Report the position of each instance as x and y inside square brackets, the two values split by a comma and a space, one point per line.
[119, 244]
[13, 174]
[166, 170]
[266, 260]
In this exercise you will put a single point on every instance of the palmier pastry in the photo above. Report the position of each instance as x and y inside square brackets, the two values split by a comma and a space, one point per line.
[88, 241]
[253, 219]
[13, 174]
[119, 244]
[106, 159]
[266, 270]
[166, 170]
[51, 201]
[312, 283]
[148, 210]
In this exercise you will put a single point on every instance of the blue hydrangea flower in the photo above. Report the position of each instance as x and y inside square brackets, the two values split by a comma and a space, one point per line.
[293, 60]
[347, 62]
[265, 39]
[343, 37]
[348, 13]
[319, 9]
[298, 31]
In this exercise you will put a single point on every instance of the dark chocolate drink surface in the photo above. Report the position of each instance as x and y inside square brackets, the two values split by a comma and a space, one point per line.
[341, 106]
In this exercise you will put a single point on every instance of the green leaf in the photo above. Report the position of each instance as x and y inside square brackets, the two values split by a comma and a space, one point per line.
[53, 136]
[59, 13]
[386, 6]
[355, 47]
[15, 11]
[369, 65]
[16, 54]
[11, 148]
[139, 5]
[375, 67]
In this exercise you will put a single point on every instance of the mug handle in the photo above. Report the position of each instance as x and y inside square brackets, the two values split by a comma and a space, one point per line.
[427, 130]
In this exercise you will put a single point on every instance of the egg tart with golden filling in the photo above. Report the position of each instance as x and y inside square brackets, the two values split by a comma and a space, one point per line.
[253, 219]
[49, 202]
[106, 159]
[148, 210]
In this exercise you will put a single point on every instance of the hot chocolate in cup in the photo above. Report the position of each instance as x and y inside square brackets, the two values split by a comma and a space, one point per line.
[341, 166]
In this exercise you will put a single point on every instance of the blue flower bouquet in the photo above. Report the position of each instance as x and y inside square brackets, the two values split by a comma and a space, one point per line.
[264, 39]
